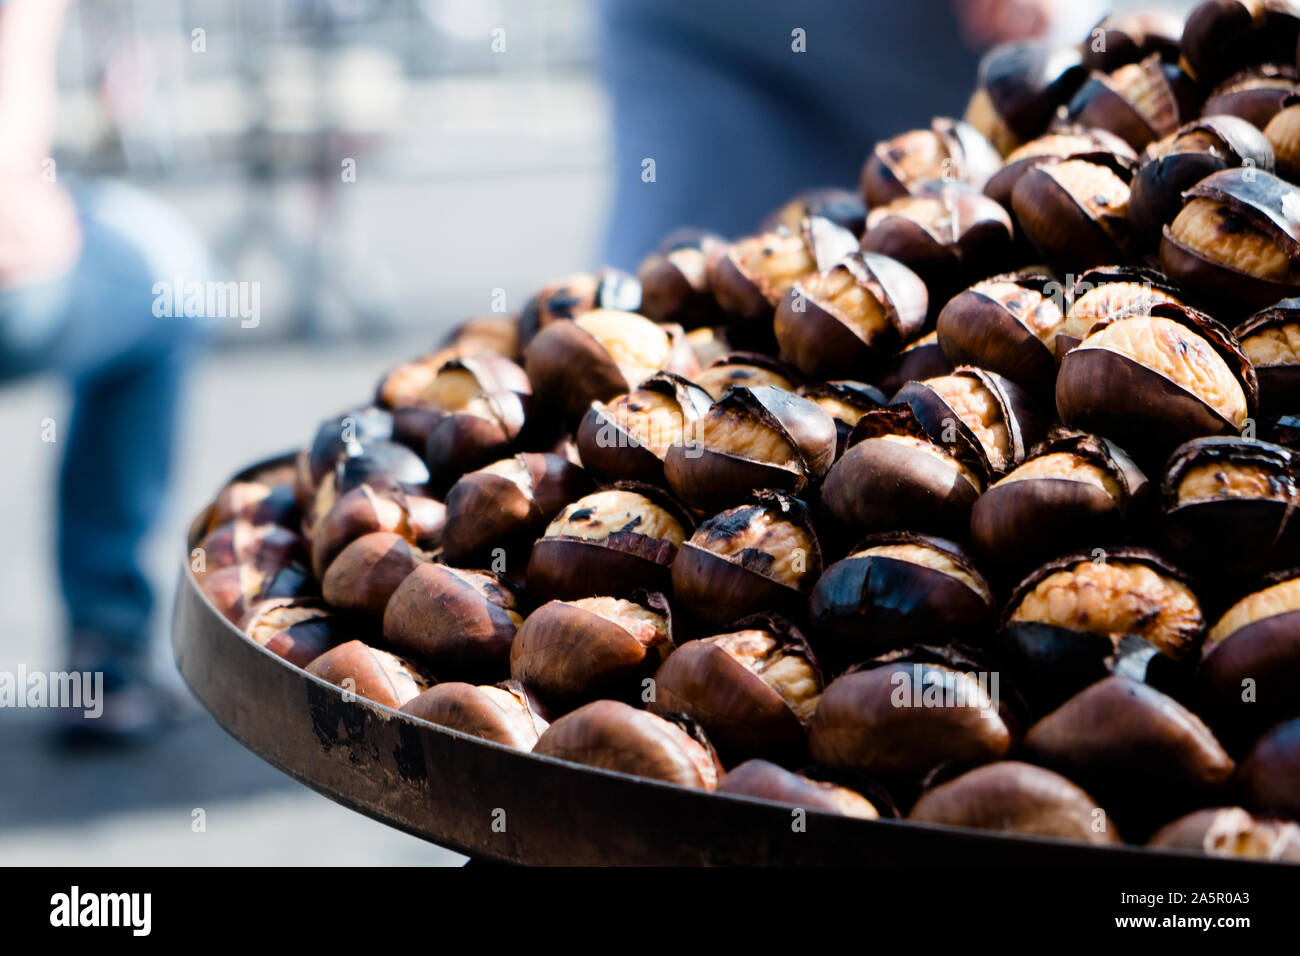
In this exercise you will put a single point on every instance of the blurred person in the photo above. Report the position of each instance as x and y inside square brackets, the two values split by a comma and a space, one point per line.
[78, 267]
[737, 121]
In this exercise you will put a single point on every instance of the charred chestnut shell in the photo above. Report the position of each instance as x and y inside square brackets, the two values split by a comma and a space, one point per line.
[371, 673]
[767, 781]
[753, 689]
[614, 542]
[503, 713]
[367, 572]
[462, 622]
[675, 280]
[1130, 37]
[1019, 88]
[1015, 797]
[613, 736]
[1139, 102]
[847, 320]
[752, 438]
[845, 402]
[1256, 94]
[1221, 37]
[899, 588]
[949, 149]
[1271, 340]
[760, 556]
[1232, 832]
[1269, 779]
[575, 295]
[1074, 213]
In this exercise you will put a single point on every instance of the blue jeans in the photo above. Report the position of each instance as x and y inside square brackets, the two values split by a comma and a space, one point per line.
[96, 328]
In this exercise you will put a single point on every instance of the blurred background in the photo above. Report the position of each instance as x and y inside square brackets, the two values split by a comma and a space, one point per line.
[476, 170]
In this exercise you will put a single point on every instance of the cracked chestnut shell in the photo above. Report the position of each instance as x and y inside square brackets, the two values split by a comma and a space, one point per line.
[1233, 497]
[1181, 160]
[1131, 37]
[917, 361]
[845, 402]
[367, 572]
[1230, 832]
[1083, 615]
[296, 629]
[950, 149]
[1018, 90]
[1073, 212]
[599, 355]
[1256, 94]
[1073, 488]
[843, 207]
[506, 504]
[675, 280]
[1138, 102]
[1269, 778]
[1271, 340]
[1015, 797]
[236, 588]
[1221, 37]
[753, 690]
[1251, 662]
[571, 652]
[365, 510]
[1145, 756]
[574, 295]
[892, 476]
[612, 542]
[375, 674]
[1008, 325]
[1068, 142]
[1150, 382]
[991, 421]
[759, 556]
[849, 319]
[764, 780]
[874, 718]
[1235, 245]
[627, 438]
[503, 713]
[613, 736]
[752, 438]
[1105, 293]
[899, 588]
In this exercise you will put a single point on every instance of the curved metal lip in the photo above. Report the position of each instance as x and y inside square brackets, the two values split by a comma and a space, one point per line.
[1050, 848]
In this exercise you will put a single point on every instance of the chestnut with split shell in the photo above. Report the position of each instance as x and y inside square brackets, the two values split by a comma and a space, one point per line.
[1068, 142]
[614, 736]
[749, 369]
[1015, 797]
[1104, 294]
[574, 295]
[1231, 832]
[256, 502]
[503, 713]
[299, 630]
[843, 207]
[330, 443]
[1256, 94]
[949, 149]
[369, 672]
[675, 280]
[1283, 136]
[1221, 37]
[627, 438]
[1018, 90]
[917, 361]
[1074, 213]
[1130, 37]
[1139, 102]
[1271, 340]
[767, 781]
[845, 402]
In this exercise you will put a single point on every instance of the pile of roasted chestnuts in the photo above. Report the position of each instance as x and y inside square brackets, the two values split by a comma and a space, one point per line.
[971, 497]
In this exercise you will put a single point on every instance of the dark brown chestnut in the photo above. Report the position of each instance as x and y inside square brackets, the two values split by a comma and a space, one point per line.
[746, 368]
[906, 714]
[1221, 37]
[892, 476]
[1073, 212]
[612, 542]
[367, 572]
[1019, 87]
[752, 438]
[949, 149]
[845, 402]
[599, 355]
[1269, 778]
[1235, 245]
[1271, 340]
[627, 438]
[571, 652]
[849, 319]
[899, 588]
[371, 673]
[675, 280]
[767, 781]
[502, 507]
[1138, 102]
[503, 713]
[614, 736]
[462, 622]
[1255, 94]
[574, 295]
[299, 630]
[920, 360]
[1014, 797]
[365, 510]
[760, 556]
[753, 690]
[1231, 832]
[1131, 37]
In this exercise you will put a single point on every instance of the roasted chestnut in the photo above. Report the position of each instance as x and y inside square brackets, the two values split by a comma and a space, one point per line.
[1130, 37]
[1269, 779]
[1283, 135]
[502, 507]
[1015, 797]
[1074, 488]
[1150, 382]
[1230, 831]
[753, 690]
[627, 438]
[486, 333]
[599, 355]
[571, 652]
[367, 572]
[1103, 294]
[1007, 324]
[948, 150]
[503, 713]
[299, 630]
[841, 206]
[1221, 37]
[760, 556]
[921, 360]
[234, 589]
[767, 781]
[895, 589]
[1073, 212]
[752, 438]
[1145, 756]
[334, 435]
[990, 420]
[1236, 243]
[613, 736]
[1138, 102]
[675, 280]
[745, 368]
[264, 547]
[845, 402]
[461, 622]
[848, 320]
[903, 715]
[1091, 145]
[1271, 340]
[256, 502]
[383, 465]
[611, 542]
[892, 476]
[1019, 87]
[371, 673]
[1256, 94]
[575, 295]
[365, 510]
[1181, 160]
